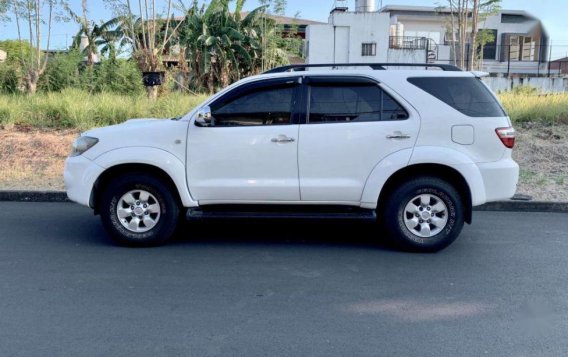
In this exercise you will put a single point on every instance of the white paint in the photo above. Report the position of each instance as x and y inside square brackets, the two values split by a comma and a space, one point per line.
[333, 160]
[328, 41]
[395, 55]
[463, 134]
[328, 163]
[341, 44]
[242, 163]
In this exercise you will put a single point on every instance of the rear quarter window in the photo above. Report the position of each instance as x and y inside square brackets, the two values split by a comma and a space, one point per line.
[465, 94]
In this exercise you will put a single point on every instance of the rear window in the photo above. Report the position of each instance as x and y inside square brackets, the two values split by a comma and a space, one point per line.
[466, 94]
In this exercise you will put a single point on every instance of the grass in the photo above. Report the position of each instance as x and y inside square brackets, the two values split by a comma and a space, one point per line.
[33, 145]
[77, 109]
[545, 109]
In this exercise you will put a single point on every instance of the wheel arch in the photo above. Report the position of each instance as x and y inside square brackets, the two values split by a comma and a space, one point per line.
[444, 172]
[115, 171]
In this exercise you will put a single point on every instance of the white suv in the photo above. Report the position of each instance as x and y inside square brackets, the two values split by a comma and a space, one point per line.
[413, 149]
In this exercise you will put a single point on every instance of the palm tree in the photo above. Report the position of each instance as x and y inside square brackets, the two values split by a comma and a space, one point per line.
[221, 46]
[105, 35]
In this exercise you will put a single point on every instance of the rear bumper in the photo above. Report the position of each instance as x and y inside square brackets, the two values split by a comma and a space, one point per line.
[80, 176]
[500, 179]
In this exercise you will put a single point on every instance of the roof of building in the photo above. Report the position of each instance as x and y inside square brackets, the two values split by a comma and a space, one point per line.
[409, 8]
[285, 20]
[282, 20]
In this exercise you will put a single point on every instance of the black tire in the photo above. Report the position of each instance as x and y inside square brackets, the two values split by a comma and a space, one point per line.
[168, 218]
[394, 214]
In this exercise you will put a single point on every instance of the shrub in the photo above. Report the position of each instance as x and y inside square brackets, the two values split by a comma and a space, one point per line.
[118, 76]
[10, 75]
[15, 50]
[61, 72]
[66, 70]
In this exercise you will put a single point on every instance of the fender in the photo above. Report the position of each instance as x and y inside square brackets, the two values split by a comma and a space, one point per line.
[159, 158]
[380, 174]
[423, 155]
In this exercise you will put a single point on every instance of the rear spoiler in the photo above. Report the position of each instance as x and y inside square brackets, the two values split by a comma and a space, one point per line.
[479, 74]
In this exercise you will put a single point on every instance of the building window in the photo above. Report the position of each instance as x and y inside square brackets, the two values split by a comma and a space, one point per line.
[512, 19]
[521, 48]
[369, 49]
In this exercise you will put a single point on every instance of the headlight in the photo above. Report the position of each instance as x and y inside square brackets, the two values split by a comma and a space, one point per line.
[82, 144]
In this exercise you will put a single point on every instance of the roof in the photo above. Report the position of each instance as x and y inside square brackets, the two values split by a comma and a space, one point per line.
[564, 59]
[408, 8]
[282, 20]
[285, 20]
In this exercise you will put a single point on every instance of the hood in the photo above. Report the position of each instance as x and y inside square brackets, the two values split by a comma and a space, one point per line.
[137, 121]
[129, 125]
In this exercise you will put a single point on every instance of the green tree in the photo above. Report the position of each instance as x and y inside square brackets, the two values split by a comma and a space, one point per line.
[464, 19]
[17, 50]
[221, 46]
[36, 16]
[104, 35]
[148, 32]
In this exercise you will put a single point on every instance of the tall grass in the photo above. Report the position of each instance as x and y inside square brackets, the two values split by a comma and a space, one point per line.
[78, 109]
[545, 109]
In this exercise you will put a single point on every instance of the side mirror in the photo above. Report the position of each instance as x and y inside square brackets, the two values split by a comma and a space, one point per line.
[204, 117]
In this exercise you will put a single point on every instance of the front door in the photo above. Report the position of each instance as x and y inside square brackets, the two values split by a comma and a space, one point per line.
[250, 152]
[352, 125]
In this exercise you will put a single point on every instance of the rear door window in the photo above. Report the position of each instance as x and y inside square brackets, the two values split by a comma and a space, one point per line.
[465, 94]
[342, 101]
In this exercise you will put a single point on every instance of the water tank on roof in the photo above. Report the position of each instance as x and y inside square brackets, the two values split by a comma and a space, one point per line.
[365, 5]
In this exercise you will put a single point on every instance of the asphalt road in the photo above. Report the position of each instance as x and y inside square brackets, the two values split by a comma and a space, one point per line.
[253, 288]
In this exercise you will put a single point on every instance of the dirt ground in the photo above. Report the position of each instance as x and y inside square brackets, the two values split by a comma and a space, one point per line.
[542, 154]
[34, 160]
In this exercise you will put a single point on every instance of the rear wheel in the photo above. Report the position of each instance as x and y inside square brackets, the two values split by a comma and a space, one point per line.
[424, 214]
[139, 210]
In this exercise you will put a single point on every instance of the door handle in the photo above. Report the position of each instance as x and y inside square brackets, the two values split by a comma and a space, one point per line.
[282, 139]
[398, 136]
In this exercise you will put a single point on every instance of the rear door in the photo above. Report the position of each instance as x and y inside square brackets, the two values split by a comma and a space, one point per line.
[352, 124]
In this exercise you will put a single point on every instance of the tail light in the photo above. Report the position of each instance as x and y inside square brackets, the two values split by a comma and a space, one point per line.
[507, 136]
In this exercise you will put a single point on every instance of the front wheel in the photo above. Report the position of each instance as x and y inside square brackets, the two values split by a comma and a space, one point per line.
[139, 210]
[425, 214]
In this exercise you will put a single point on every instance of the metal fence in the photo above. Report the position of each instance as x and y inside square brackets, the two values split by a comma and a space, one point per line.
[526, 59]
[408, 42]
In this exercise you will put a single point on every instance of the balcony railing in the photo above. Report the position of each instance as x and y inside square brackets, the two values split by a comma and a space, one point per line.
[408, 42]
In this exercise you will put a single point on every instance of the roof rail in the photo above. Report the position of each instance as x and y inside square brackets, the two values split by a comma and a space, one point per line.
[374, 66]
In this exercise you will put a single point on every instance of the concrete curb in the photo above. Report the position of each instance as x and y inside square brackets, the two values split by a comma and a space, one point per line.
[511, 205]
[524, 206]
[33, 196]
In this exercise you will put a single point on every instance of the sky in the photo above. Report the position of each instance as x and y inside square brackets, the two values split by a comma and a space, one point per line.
[551, 12]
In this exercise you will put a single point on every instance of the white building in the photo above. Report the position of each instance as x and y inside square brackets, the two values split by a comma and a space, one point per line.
[3, 56]
[418, 34]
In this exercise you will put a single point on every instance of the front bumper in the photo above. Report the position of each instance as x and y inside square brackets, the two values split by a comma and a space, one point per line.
[80, 176]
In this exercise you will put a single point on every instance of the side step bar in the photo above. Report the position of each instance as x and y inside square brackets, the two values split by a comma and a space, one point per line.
[286, 212]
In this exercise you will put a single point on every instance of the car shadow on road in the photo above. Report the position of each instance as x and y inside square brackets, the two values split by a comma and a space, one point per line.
[283, 232]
